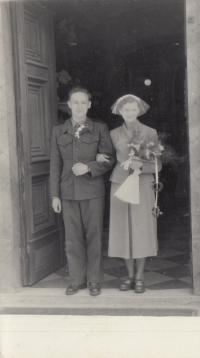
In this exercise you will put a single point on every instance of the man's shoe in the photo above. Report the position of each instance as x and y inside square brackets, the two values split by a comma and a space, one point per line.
[72, 289]
[95, 289]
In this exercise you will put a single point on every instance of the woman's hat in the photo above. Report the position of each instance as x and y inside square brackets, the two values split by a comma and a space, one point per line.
[142, 105]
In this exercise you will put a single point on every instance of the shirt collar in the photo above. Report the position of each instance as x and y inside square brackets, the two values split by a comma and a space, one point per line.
[80, 123]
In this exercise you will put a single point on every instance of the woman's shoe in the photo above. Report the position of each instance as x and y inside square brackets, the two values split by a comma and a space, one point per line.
[139, 286]
[127, 285]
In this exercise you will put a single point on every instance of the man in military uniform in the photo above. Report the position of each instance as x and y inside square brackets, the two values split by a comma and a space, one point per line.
[77, 188]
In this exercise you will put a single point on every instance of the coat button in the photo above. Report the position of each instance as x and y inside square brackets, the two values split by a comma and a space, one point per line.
[76, 148]
[76, 160]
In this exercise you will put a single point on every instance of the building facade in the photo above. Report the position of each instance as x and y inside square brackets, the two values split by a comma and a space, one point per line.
[12, 226]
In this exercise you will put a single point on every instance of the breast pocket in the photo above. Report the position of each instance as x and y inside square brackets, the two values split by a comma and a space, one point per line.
[66, 146]
[89, 146]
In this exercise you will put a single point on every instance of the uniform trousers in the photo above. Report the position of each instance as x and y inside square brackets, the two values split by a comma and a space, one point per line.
[83, 220]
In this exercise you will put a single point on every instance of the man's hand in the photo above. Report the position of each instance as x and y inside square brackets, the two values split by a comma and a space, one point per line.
[102, 158]
[80, 169]
[56, 204]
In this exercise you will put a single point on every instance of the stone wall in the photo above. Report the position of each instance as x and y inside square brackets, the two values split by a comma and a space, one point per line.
[10, 275]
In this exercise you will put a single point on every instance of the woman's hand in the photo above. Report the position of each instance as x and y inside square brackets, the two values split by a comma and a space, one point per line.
[136, 164]
[102, 158]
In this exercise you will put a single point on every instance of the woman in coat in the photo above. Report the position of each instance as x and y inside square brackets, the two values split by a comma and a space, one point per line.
[133, 228]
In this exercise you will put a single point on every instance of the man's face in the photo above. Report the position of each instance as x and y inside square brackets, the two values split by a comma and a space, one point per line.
[79, 104]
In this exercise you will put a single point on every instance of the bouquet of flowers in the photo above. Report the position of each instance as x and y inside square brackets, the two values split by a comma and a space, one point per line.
[143, 150]
[146, 151]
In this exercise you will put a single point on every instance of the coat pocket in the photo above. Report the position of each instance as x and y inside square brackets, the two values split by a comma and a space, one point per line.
[63, 141]
[89, 139]
[65, 145]
[89, 146]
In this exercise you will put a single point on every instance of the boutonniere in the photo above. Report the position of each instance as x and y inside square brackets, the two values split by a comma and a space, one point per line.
[79, 130]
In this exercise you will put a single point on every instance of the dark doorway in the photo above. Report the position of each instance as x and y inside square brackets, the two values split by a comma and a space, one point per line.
[114, 48]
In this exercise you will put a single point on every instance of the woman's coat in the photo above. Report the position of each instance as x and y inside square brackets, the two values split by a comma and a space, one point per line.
[133, 229]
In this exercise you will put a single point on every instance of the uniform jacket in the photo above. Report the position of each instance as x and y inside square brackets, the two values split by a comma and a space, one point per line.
[67, 150]
[120, 141]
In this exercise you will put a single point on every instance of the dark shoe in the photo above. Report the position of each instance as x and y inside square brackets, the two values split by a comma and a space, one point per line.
[139, 286]
[127, 285]
[95, 289]
[72, 289]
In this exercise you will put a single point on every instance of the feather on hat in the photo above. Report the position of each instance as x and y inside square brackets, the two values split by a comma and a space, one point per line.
[142, 105]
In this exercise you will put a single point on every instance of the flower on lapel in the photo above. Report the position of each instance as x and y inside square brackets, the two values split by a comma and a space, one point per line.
[79, 130]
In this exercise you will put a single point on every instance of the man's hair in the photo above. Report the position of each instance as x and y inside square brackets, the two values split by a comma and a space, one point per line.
[79, 89]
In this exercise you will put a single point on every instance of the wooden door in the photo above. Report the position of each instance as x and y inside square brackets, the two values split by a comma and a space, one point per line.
[34, 58]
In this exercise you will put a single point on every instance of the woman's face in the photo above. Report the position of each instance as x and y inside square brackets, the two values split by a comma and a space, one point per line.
[130, 111]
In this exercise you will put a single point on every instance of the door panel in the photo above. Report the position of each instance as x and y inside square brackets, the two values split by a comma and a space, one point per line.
[36, 114]
[38, 118]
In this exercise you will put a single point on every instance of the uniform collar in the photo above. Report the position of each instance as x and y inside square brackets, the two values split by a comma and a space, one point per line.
[68, 127]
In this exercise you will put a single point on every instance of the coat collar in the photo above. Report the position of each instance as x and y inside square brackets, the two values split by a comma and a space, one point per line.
[137, 126]
[67, 127]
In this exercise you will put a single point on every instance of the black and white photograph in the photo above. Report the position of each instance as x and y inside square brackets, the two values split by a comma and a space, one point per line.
[100, 178]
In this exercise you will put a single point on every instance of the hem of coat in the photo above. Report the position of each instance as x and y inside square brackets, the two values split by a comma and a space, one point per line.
[139, 256]
[87, 198]
[121, 182]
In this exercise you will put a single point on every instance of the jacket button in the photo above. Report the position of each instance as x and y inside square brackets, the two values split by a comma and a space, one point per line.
[76, 148]
[76, 160]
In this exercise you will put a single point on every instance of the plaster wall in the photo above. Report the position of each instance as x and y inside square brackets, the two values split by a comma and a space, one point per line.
[10, 275]
[193, 79]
